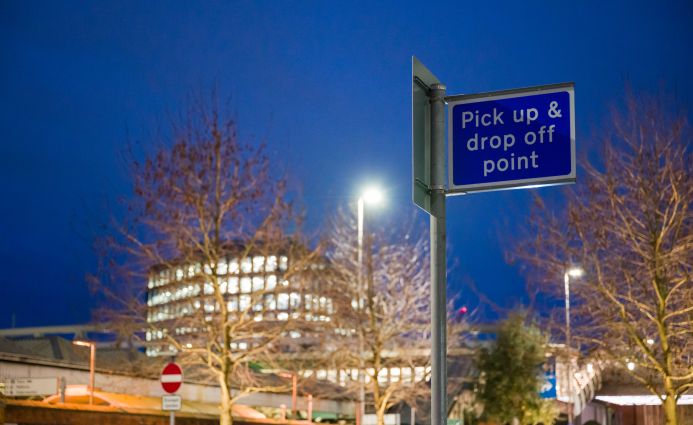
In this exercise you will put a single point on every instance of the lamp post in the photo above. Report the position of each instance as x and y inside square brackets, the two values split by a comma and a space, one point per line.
[92, 361]
[294, 384]
[571, 272]
[372, 196]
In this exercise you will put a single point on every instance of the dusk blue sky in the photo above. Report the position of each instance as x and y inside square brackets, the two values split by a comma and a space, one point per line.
[326, 85]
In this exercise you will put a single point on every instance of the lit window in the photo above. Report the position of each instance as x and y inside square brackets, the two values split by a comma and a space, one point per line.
[257, 307]
[294, 300]
[222, 268]
[208, 269]
[233, 285]
[270, 302]
[244, 302]
[209, 307]
[382, 376]
[209, 288]
[283, 316]
[232, 305]
[245, 285]
[243, 345]
[283, 301]
[283, 263]
[258, 262]
[223, 286]
[419, 373]
[332, 375]
[394, 374]
[179, 274]
[233, 266]
[406, 374]
[191, 270]
[271, 282]
[271, 264]
[246, 265]
[258, 283]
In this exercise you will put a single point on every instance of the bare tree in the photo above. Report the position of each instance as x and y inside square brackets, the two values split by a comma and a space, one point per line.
[629, 225]
[208, 232]
[381, 318]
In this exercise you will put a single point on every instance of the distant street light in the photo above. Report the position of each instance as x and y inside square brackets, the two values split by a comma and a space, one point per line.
[630, 366]
[92, 361]
[571, 272]
[372, 196]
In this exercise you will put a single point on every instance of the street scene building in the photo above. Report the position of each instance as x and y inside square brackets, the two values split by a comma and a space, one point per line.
[253, 285]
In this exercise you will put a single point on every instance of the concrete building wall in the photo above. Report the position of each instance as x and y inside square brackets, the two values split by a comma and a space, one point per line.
[151, 387]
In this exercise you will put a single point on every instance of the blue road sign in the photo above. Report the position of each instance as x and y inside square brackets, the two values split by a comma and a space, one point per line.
[511, 139]
[548, 386]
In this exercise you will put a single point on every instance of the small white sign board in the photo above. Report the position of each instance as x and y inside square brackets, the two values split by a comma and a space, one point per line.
[27, 387]
[390, 419]
[171, 402]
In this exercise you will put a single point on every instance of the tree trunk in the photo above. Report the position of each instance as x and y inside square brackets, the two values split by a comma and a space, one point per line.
[669, 404]
[380, 416]
[225, 417]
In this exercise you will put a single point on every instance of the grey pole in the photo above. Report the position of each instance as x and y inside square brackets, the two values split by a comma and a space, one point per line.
[362, 392]
[438, 258]
[568, 343]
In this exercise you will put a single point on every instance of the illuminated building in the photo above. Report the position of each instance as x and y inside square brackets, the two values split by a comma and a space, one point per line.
[181, 298]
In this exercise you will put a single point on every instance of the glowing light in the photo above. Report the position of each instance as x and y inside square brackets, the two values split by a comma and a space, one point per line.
[372, 195]
[630, 366]
[575, 272]
[650, 341]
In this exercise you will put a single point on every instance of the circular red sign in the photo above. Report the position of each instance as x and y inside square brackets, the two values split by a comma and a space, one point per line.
[171, 378]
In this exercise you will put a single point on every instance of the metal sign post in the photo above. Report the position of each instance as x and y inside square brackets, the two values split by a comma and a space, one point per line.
[438, 258]
[428, 192]
[502, 140]
[171, 381]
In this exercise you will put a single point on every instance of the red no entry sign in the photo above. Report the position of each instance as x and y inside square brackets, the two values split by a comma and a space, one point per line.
[171, 378]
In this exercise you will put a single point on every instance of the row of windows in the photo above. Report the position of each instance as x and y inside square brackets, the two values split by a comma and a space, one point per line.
[158, 334]
[312, 305]
[385, 375]
[257, 264]
[233, 285]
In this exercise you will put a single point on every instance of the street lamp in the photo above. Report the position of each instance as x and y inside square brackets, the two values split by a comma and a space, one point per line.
[571, 272]
[372, 196]
[92, 361]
